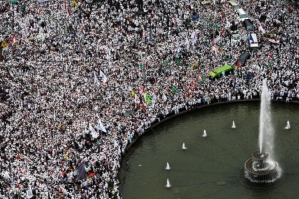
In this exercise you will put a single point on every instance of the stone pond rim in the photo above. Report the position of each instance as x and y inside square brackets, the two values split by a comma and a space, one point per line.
[201, 107]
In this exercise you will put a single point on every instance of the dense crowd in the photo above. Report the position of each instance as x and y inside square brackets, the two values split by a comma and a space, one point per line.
[79, 81]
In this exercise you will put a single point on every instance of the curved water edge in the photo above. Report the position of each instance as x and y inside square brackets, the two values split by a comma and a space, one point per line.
[155, 124]
[197, 107]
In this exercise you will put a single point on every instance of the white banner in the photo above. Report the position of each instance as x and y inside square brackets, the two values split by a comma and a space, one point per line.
[41, 1]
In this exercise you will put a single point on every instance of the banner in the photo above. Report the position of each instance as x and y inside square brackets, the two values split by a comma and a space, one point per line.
[41, 1]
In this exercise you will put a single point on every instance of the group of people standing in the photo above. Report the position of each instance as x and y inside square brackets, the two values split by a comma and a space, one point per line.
[80, 81]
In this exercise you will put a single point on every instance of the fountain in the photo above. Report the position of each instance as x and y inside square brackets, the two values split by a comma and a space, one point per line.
[233, 126]
[167, 166]
[168, 185]
[184, 147]
[288, 125]
[218, 159]
[204, 133]
[262, 168]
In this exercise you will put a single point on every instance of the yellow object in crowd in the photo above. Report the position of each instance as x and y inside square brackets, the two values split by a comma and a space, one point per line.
[3, 44]
[75, 4]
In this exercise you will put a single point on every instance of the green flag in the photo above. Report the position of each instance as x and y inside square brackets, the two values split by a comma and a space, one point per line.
[202, 79]
[141, 66]
[147, 98]
[173, 89]
[165, 63]
[177, 61]
[269, 64]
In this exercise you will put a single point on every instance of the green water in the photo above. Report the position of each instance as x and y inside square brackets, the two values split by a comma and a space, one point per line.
[209, 167]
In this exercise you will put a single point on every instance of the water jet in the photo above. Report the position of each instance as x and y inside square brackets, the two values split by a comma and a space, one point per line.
[262, 168]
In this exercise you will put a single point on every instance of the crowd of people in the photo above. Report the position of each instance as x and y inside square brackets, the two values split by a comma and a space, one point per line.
[80, 81]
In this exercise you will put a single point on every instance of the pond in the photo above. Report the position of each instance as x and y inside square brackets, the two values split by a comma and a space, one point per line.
[209, 167]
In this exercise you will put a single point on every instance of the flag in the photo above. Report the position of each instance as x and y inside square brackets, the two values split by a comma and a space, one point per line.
[12, 39]
[177, 61]
[214, 50]
[143, 91]
[239, 64]
[75, 4]
[66, 157]
[94, 134]
[193, 37]
[261, 29]
[222, 31]
[173, 89]
[29, 193]
[249, 75]
[165, 63]
[96, 81]
[141, 66]
[199, 78]
[69, 11]
[164, 97]
[147, 98]
[104, 77]
[250, 38]
[192, 68]
[269, 64]
[101, 126]
[202, 79]
[187, 43]
[133, 93]
[81, 171]
[6, 175]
